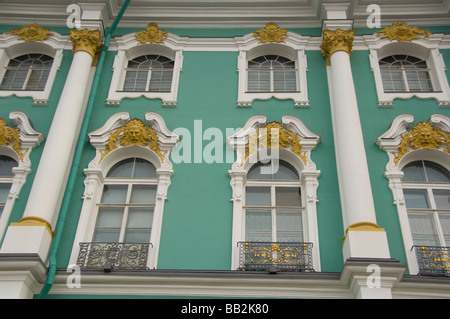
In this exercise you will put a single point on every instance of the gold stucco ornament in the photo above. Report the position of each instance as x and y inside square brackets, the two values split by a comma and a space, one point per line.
[274, 136]
[422, 136]
[31, 33]
[134, 133]
[337, 40]
[151, 35]
[87, 40]
[401, 32]
[9, 136]
[271, 33]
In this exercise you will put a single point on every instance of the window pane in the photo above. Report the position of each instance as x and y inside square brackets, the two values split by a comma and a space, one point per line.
[122, 169]
[139, 225]
[445, 225]
[143, 194]
[6, 166]
[258, 225]
[289, 226]
[414, 172]
[281, 171]
[4, 191]
[144, 169]
[286, 172]
[258, 196]
[109, 222]
[436, 173]
[416, 198]
[259, 81]
[423, 229]
[442, 198]
[288, 196]
[114, 194]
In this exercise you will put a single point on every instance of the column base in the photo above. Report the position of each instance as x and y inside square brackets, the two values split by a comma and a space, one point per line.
[365, 240]
[27, 239]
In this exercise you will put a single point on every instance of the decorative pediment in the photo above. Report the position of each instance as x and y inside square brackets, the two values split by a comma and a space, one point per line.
[401, 32]
[426, 135]
[257, 134]
[122, 131]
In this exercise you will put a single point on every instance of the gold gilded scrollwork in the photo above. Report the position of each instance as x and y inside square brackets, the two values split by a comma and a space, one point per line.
[274, 136]
[338, 40]
[9, 136]
[134, 133]
[422, 136]
[87, 40]
[152, 34]
[31, 33]
[271, 33]
[402, 32]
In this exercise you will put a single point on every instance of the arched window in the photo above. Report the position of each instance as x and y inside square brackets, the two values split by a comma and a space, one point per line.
[271, 73]
[273, 204]
[125, 212]
[6, 179]
[28, 72]
[426, 188]
[405, 73]
[149, 73]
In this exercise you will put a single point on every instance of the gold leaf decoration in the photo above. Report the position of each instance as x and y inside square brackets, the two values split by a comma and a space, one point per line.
[151, 35]
[337, 40]
[274, 131]
[87, 40]
[422, 136]
[134, 133]
[31, 33]
[402, 32]
[271, 33]
[10, 135]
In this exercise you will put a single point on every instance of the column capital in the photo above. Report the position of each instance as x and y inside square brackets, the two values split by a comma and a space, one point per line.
[337, 40]
[87, 40]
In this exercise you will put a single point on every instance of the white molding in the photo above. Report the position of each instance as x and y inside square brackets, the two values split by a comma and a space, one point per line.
[129, 48]
[293, 49]
[11, 47]
[98, 168]
[307, 172]
[426, 49]
[389, 142]
[29, 139]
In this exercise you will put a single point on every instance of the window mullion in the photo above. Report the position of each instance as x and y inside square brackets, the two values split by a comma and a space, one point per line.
[149, 76]
[125, 213]
[25, 82]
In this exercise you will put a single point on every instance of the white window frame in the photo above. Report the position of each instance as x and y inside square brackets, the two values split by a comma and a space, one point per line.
[390, 142]
[29, 139]
[307, 172]
[293, 49]
[128, 48]
[425, 49]
[99, 167]
[11, 47]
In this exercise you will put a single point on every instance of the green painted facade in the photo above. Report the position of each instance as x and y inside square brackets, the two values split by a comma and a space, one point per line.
[197, 225]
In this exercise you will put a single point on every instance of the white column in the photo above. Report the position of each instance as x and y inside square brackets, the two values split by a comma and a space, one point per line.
[33, 233]
[363, 237]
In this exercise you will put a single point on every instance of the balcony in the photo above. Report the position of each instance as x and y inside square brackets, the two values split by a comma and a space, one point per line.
[275, 256]
[107, 256]
[433, 260]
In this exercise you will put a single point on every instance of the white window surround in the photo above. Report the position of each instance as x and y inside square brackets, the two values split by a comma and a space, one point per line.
[307, 172]
[11, 47]
[390, 142]
[98, 168]
[426, 49]
[29, 139]
[293, 49]
[128, 48]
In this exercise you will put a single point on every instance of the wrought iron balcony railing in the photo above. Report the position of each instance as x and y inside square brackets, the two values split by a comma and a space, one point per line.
[275, 256]
[123, 256]
[433, 260]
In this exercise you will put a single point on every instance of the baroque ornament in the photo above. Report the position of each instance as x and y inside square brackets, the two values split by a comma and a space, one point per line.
[338, 40]
[422, 136]
[152, 35]
[31, 33]
[134, 133]
[274, 136]
[87, 40]
[402, 32]
[10, 135]
[271, 33]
